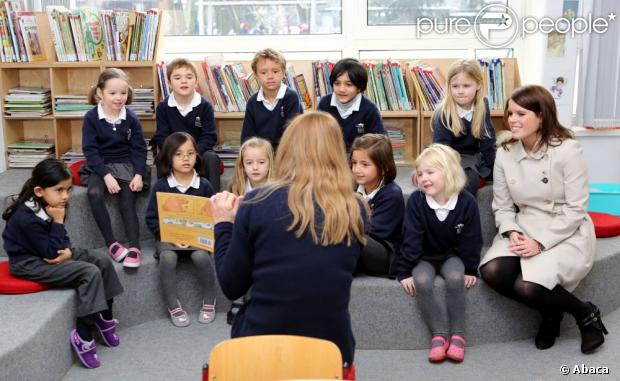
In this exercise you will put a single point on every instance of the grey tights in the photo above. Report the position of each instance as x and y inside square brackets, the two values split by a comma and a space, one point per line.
[167, 271]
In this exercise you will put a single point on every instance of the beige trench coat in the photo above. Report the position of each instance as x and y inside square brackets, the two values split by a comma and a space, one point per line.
[550, 188]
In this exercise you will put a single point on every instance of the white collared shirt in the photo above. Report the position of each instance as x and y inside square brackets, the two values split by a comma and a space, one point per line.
[468, 115]
[368, 197]
[121, 116]
[346, 109]
[442, 211]
[248, 186]
[38, 211]
[196, 99]
[271, 105]
[173, 183]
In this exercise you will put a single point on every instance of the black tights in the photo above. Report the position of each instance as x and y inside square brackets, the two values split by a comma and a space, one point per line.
[504, 275]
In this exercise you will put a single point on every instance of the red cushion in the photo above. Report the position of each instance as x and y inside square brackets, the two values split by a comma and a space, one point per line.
[605, 225]
[74, 168]
[221, 167]
[11, 285]
[481, 183]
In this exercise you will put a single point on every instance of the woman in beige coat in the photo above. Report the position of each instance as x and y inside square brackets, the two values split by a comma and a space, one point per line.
[545, 244]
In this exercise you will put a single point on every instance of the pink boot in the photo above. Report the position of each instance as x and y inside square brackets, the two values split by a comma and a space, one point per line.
[456, 351]
[439, 344]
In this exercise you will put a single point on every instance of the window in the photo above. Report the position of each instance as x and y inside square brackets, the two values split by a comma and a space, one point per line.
[406, 12]
[230, 17]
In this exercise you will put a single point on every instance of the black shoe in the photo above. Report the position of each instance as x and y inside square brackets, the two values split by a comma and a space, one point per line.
[592, 330]
[234, 309]
[548, 331]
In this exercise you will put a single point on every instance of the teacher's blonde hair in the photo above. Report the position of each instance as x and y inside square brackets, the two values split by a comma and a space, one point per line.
[311, 162]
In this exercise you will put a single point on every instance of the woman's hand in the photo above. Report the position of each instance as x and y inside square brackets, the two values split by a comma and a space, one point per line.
[111, 184]
[408, 286]
[525, 247]
[470, 281]
[225, 206]
[136, 183]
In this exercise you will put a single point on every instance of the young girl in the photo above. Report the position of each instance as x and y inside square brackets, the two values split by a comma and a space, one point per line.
[39, 249]
[463, 122]
[176, 163]
[372, 163]
[253, 168]
[441, 233]
[355, 113]
[115, 153]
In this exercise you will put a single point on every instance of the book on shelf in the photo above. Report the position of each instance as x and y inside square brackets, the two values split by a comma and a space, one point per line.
[493, 80]
[28, 102]
[143, 102]
[320, 75]
[71, 105]
[397, 140]
[26, 153]
[86, 34]
[228, 152]
[19, 34]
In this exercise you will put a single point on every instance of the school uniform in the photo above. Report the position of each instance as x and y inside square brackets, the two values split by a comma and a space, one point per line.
[425, 237]
[30, 236]
[363, 117]
[387, 206]
[268, 120]
[198, 120]
[544, 195]
[477, 155]
[297, 287]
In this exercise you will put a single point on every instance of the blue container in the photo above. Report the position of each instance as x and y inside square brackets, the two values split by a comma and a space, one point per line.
[605, 198]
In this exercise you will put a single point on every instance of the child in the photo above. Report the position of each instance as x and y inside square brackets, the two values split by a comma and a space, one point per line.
[176, 162]
[115, 153]
[463, 122]
[441, 233]
[253, 168]
[268, 111]
[372, 163]
[185, 110]
[39, 249]
[355, 113]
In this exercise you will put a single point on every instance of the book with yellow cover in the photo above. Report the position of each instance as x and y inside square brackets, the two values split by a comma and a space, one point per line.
[186, 219]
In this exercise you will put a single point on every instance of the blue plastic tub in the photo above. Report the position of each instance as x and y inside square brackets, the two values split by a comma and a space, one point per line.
[605, 198]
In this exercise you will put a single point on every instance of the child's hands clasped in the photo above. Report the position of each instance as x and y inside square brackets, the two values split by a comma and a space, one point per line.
[111, 184]
[63, 256]
[408, 286]
[225, 206]
[136, 183]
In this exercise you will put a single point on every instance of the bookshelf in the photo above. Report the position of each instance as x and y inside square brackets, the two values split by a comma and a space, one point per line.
[65, 78]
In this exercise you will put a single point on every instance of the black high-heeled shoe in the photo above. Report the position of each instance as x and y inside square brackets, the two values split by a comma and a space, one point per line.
[592, 330]
[547, 332]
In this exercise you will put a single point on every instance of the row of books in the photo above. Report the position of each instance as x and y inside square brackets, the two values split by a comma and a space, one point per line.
[26, 154]
[28, 102]
[397, 140]
[494, 81]
[228, 87]
[76, 105]
[85, 34]
[19, 34]
[427, 82]
[386, 86]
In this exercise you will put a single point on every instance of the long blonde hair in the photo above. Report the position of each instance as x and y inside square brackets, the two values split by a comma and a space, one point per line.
[311, 162]
[448, 161]
[239, 178]
[446, 111]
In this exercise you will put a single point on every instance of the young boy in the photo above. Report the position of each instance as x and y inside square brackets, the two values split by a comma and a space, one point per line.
[269, 110]
[185, 110]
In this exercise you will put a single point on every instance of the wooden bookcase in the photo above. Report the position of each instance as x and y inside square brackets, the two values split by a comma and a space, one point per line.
[66, 78]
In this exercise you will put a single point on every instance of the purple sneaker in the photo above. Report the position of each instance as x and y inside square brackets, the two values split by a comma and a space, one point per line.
[85, 350]
[107, 330]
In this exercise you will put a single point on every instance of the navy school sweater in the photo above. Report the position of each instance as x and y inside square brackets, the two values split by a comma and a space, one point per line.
[297, 287]
[368, 119]
[102, 145]
[386, 219]
[425, 237]
[200, 123]
[152, 214]
[467, 143]
[269, 125]
[26, 235]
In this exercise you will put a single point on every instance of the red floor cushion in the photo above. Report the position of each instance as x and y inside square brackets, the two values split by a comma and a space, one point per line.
[605, 225]
[12, 285]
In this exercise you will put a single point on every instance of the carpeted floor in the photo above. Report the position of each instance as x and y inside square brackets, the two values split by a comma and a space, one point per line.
[158, 351]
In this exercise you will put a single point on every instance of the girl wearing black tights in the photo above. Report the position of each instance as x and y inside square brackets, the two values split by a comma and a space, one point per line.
[546, 241]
